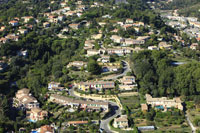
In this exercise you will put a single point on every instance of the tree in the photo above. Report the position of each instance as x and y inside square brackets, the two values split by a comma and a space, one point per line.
[93, 67]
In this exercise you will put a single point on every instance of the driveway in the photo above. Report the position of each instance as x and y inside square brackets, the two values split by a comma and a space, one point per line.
[126, 69]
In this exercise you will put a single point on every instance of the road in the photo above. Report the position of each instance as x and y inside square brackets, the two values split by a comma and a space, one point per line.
[126, 69]
[114, 112]
[190, 123]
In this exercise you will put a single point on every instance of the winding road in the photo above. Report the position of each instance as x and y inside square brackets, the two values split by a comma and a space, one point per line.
[114, 108]
[190, 123]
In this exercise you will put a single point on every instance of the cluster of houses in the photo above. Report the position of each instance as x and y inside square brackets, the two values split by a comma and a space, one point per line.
[81, 104]
[127, 83]
[162, 103]
[23, 100]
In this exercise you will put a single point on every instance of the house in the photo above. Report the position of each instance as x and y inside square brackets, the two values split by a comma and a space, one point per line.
[22, 53]
[61, 17]
[4, 40]
[145, 38]
[104, 59]
[164, 45]
[153, 48]
[110, 68]
[121, 122]
[36, 114]
[46, 24]
[70, 13]
[46, 129]
[138, 24]
[27, 18]
[128, 80]
[102, 23]
[2, 28]
[74, 26]
[76, 123]
[91, 52]
[77, 64]
[63, 4]
[97, 85]
[23, 31]
[129, 41]
[120, 51]
[116, 39]
[144, 107]
[164, 103]
[97, 36]
[55, 86]
[123, 87]
[194, 46]
[24, 100]
[89, 43]
[12, 37]
[129, 21]
[14, 23]
[82, 104]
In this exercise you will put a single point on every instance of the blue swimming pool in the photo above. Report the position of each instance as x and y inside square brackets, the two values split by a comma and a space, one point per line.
[159, 107]
[31, 120]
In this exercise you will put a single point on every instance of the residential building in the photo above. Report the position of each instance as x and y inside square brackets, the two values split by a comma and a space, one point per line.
[4, 40]
[36, 114]
[77, 64]
[74, 26]
[194, 46]
[82, 104]
[23, 31]
[98, 85]
[116, 38]
[97, 36]
[120, 51]
[153, 48]
[23, 53]
[46, 129]
[144, 107]
[164, 103]
[129, 21]
[164, 45]
[46, 24]
[27, 18]
[110, 68]
[76, 123]
[55, 86]
[2, 28]
[91, 52]
[128, 80]
[104, 59]
[24, 100]
[14, 23]
[121, 122]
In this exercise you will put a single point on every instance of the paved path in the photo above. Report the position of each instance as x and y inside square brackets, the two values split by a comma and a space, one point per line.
[190, 123]
[115, 111]
[126, 69]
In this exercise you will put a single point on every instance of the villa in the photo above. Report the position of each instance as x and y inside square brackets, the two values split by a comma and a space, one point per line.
[36, 114]
[55, 86]
[164, 103]
[121, 122]
[24, 100]
[77, 64]
[98, 85]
